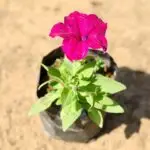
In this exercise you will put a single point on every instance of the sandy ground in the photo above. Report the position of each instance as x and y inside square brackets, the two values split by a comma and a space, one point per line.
[24, 27]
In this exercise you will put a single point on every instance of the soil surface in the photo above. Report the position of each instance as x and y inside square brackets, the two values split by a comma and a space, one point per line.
[24, 27]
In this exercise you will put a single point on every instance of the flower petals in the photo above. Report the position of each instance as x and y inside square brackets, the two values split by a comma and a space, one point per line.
[84, 25]
[60, 30]
[81, 50]
[74, 50]
[103, 42]
[95, 41]
[97, 24]
[71, 23]
[68, 47]
[80, 32]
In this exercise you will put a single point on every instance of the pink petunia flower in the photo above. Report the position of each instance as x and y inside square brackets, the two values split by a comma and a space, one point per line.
[80, 32]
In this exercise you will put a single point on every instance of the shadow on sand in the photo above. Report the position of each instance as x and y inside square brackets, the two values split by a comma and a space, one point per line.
[135, 100]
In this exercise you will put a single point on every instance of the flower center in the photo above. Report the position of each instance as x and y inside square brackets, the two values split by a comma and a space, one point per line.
[84, 38]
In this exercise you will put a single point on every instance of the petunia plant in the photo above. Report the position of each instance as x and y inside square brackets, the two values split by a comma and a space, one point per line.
[74, 83]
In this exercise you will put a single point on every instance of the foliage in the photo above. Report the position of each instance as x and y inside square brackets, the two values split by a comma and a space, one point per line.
[76, 86]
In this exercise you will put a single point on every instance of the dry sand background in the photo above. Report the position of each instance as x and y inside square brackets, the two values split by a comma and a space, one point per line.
[24, 27]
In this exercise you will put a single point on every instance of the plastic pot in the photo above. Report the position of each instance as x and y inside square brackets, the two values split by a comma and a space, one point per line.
[83, 129]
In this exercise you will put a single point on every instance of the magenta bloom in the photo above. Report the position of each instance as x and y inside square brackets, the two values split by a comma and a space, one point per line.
[80, 32]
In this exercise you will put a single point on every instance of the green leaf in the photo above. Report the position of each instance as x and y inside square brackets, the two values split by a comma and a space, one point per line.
[72, 67]
[66, 70]
[84, 83]
[103, 100]
[70, 113]
[43, 103]
[87, 70]
[69, 69]
[96, 116]
[59, 102]
[68, 64]
[90, 100]
[67, 96]
[95, 101]
[100, 63]
[116, 108]
[43, 84]
[55, 74]
[90, 88]
[108, 105]
[108, 85]
[86, 90]
[55, 85]
[76, 67]
[45, 67]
